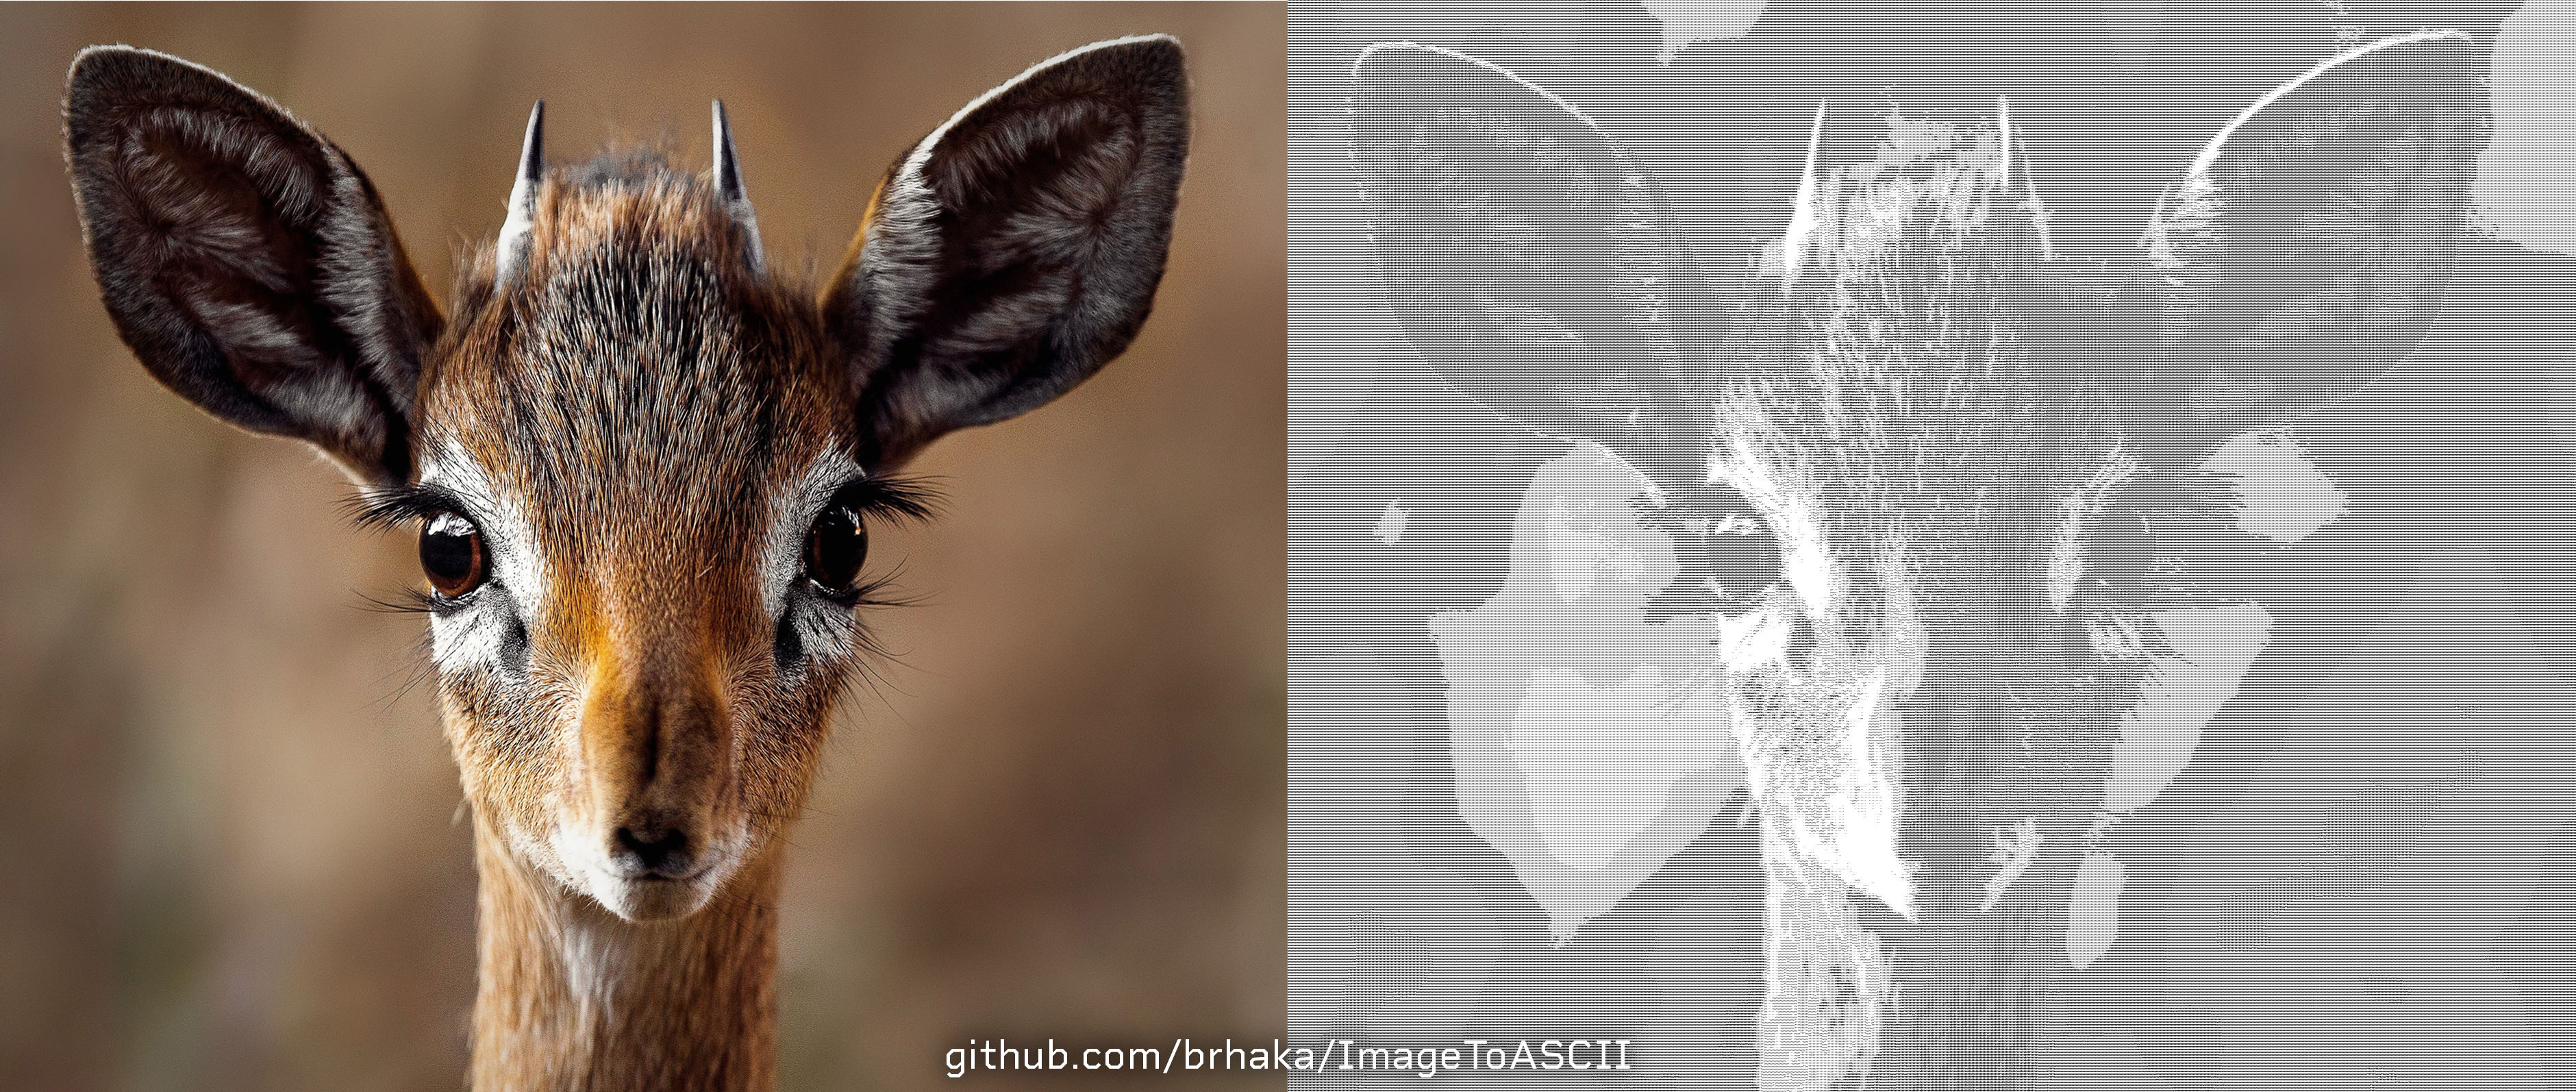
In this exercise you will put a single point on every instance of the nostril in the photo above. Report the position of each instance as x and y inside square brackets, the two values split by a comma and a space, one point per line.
[653, 851]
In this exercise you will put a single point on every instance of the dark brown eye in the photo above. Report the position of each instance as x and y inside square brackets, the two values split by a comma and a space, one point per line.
[835, 549]
[1742, 558]
[451, 553]
[2123, 552]
[1727, 562]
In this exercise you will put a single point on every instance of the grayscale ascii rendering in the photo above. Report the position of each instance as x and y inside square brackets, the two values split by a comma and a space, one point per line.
[1974, 546]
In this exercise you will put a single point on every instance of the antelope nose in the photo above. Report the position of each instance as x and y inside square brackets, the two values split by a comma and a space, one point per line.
[653, 850]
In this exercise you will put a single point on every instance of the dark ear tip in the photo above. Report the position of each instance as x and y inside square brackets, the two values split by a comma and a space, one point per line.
[1403, 60]
[2454, 50]
[96, 60]
[1388, 56]
[102, 63]
[1155, 58]
[1406, 76]
[99, 66]
[2442, 37]
[1157, 50]
[103, 76]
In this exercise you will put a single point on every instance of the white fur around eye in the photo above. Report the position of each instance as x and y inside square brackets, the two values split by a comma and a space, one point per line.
[2079, 513]
[481, 630]
[1806, 561]
[473, 636]
[1755, 639]
[826, 630]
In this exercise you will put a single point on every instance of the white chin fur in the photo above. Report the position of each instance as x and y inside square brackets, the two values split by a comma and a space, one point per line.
[651, 900]
[637, 900]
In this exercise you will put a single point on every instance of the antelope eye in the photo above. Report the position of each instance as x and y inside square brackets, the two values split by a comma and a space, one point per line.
[452, 555]
[1742, 557]
[835, 549]
[1727, 562]
[2123, 550]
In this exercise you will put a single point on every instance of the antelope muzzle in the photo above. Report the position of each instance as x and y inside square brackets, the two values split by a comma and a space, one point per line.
[654, 823]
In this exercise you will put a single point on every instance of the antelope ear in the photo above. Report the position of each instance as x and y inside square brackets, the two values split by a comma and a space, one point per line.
[1526, 256]
[245, 259]
[1016, 249]
[2307, 248]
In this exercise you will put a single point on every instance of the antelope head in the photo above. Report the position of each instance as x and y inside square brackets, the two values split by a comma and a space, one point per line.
[1971, 530]
[643, 463]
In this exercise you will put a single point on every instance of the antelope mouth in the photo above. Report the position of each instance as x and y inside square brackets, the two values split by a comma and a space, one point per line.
[644, 894]
[655, 898]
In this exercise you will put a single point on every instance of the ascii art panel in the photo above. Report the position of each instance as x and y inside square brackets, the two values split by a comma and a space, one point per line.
[1959, 546]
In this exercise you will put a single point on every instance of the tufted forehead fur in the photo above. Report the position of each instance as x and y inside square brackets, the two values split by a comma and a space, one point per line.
[643, 468]
[630, 430]
[1926, 323]
[1938, 489]
[639, 375]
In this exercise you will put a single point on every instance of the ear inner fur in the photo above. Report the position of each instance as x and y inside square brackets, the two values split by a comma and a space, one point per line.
[968, 301]
[282, 301]
[2013, 565]
[639, 424]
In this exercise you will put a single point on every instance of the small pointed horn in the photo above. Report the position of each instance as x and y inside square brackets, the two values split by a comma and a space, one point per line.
[512, 254]
[2012, 152]
[729, 187]
[2003, 122]
[1805, 218]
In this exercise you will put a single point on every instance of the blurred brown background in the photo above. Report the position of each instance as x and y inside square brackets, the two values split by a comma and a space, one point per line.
[232, 854]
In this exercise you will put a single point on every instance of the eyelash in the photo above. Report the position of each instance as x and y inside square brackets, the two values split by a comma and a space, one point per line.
[885, 501]
[900, 500]
[386, 509]
[392, 508]
[892, 500]
[2195, 548]
[405, 601]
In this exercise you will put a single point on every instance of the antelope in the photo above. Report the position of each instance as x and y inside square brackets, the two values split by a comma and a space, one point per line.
[644, 465]
[1939, 490]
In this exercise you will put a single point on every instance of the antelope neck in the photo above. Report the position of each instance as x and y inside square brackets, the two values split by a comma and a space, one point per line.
[570, 996]
[1856, 996]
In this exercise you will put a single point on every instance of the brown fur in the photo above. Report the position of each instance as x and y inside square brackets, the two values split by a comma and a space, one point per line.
[687, 1004]
[639, 423]
[654, 631]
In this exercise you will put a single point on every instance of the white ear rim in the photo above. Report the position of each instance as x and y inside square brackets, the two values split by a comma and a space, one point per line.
[2208, 158]
[901, 249]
